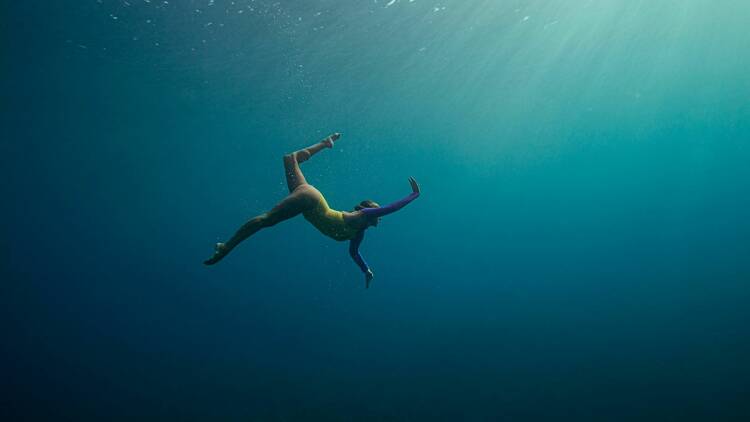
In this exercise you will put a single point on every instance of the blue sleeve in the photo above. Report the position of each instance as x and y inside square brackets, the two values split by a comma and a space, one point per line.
[354, 251]
[390, 208]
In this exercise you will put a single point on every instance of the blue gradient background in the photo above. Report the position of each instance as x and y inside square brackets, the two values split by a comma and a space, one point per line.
[580, 250]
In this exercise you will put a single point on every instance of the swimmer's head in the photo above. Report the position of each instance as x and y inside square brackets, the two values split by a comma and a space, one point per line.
[368, 203]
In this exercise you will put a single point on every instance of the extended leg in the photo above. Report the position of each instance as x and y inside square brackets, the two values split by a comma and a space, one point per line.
[292, 205]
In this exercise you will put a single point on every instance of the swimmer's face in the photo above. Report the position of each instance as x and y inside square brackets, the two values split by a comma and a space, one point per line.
[368, 203]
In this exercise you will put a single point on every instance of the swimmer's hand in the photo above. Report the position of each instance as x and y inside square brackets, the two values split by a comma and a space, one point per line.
[330, 139]
[414, 185]
[368, 278]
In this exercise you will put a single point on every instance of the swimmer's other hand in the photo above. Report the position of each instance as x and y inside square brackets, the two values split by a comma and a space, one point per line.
[368, 278]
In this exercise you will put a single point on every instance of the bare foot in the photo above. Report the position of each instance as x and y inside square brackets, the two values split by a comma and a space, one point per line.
[220, 250]
[331, 139]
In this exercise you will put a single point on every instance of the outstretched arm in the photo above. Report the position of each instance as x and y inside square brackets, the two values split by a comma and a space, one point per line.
[357, 257]
[391, 208]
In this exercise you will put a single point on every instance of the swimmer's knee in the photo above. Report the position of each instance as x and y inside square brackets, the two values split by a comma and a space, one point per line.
[303, 155]
[297, 157]
[267, 220]
[261, 221]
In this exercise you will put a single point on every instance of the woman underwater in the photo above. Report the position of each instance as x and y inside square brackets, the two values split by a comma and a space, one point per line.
[304, 199]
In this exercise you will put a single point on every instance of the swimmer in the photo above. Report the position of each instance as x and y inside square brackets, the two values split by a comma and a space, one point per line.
[304, 199]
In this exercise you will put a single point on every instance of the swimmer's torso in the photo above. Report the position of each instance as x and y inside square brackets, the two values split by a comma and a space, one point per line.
[328, 221]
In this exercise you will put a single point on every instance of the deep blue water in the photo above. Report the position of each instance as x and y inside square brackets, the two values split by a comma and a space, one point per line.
[581, 249]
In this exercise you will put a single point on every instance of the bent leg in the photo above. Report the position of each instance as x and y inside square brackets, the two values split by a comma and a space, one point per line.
[294, 176]
[291, 206]
[305, 154]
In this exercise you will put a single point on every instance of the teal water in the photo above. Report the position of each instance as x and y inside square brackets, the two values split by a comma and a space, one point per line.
[579, 252]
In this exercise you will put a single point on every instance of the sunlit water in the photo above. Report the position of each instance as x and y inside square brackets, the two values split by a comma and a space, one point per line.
[580, 250]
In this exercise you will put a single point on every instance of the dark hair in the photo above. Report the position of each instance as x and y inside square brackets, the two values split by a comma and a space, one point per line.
[367, 203]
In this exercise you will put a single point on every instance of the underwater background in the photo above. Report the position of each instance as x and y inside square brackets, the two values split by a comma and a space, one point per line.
[580, 251]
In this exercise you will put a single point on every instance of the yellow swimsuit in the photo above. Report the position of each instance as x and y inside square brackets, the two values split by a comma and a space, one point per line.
[330, 222]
